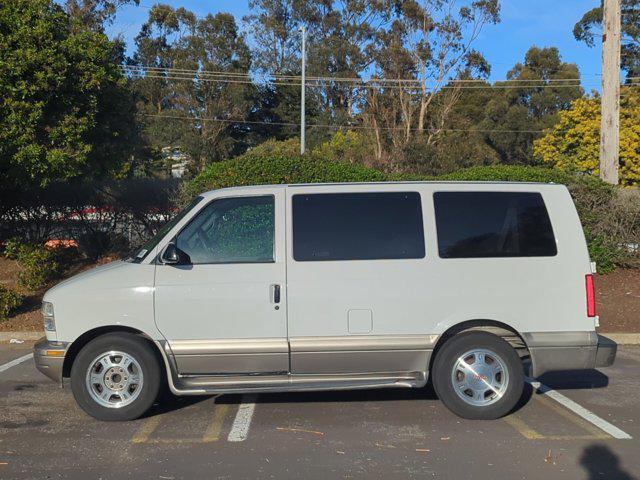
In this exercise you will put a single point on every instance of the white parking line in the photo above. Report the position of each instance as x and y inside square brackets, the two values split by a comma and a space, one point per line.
[579, 410]
[15, 362]
[240, 428]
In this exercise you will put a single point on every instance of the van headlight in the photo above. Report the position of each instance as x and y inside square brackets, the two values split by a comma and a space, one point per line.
[49, 319]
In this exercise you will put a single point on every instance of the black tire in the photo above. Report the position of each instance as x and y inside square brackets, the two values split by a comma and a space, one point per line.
[127, 343]
[445, 362]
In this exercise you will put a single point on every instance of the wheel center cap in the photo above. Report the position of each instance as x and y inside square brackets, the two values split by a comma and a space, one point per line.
[479, 378]
[115, 378]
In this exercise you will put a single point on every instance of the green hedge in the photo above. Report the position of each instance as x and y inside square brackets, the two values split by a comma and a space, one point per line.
[596, 201]
[521, 173]
[250, 169]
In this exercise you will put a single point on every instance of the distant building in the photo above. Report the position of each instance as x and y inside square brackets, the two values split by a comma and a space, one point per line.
[178, 160]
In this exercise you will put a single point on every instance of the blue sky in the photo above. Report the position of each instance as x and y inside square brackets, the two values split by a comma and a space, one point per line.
[524, 23]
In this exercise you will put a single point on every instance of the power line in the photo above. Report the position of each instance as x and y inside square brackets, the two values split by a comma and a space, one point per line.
[380, 85]
[185, 71]
[319, 125]
[370, 85]
[214, 73]
[322, 82]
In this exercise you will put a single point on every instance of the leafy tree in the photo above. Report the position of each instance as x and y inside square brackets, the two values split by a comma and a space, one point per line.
[183, 102]
[588, 29]
[529, 101]
[156, 96]
[94, 14]
[274, 25]
[428, 47]
[65, 110]
[340, 37]
[574, 142]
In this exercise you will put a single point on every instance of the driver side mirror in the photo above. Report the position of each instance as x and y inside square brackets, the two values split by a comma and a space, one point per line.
[172, 255]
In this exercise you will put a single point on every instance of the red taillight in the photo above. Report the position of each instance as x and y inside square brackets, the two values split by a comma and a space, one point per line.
[591, 296]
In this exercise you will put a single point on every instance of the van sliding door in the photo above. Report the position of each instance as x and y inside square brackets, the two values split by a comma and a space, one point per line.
[356, 260]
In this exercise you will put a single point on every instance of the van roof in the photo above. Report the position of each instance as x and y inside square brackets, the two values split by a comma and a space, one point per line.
[421, 182]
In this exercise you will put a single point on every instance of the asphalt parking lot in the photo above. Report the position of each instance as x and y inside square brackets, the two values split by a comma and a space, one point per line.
[582, 425]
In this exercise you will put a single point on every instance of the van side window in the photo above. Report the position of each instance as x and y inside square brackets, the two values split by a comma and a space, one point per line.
[357, 226]
[231, 230]
[493, 224]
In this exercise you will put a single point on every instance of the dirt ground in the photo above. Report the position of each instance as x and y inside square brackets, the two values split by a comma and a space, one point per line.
[617, 297]
[618, 301]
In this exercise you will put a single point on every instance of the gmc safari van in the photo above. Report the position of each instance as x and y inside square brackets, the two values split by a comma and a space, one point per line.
[335, 286]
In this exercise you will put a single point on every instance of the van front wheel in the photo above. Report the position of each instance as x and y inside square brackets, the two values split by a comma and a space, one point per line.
[115, 377]
[478, 375]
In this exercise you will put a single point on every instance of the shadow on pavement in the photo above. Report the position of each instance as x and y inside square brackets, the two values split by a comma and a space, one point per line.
[575, 380]
[371, 395]
[167, 402]
[601, 463]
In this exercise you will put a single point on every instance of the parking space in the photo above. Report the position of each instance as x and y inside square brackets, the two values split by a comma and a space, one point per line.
[356, 434]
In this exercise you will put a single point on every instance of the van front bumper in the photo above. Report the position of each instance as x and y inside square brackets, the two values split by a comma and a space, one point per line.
[565, 351]
[49, 358]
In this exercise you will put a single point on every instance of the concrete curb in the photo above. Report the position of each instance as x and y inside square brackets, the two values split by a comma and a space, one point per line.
[619, 338]
[7, 336]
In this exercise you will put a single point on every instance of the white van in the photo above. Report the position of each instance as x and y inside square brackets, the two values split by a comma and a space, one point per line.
[335, 286]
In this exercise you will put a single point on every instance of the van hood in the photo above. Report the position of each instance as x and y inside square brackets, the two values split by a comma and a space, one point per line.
[91, 274]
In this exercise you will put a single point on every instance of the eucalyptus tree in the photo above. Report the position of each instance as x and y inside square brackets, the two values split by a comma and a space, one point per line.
[340, 38]
[95, 14]
[589, 28]
[193, 83]
[421, 64]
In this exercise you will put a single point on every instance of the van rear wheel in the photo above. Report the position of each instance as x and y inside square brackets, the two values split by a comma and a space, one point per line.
[478, 375]
[115, 377]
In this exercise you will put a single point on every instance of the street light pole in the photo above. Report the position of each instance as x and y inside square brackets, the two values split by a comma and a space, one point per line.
[302, 90]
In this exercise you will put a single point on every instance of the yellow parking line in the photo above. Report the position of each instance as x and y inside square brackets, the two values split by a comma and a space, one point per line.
[596, 433]
[531, 434]
[525, 430]
[173, 441]
[147, 428]
[213, 432]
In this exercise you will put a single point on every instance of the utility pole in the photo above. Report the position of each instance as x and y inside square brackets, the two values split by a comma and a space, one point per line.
[302, 92]
[610, 122]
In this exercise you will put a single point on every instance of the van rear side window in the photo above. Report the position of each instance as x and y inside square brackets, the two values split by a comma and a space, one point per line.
[357, 226]
[493, 224]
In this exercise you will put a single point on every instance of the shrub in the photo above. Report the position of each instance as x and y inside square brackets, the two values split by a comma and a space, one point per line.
[349, 146]
[250, 169]
[11, 248]
[612, 228]
[522, 173]
[9, 301]
[97, 243]
[39, 265]
[274, 148]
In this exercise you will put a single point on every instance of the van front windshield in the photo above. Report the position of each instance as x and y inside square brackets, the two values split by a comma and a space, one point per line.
[140, 254]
